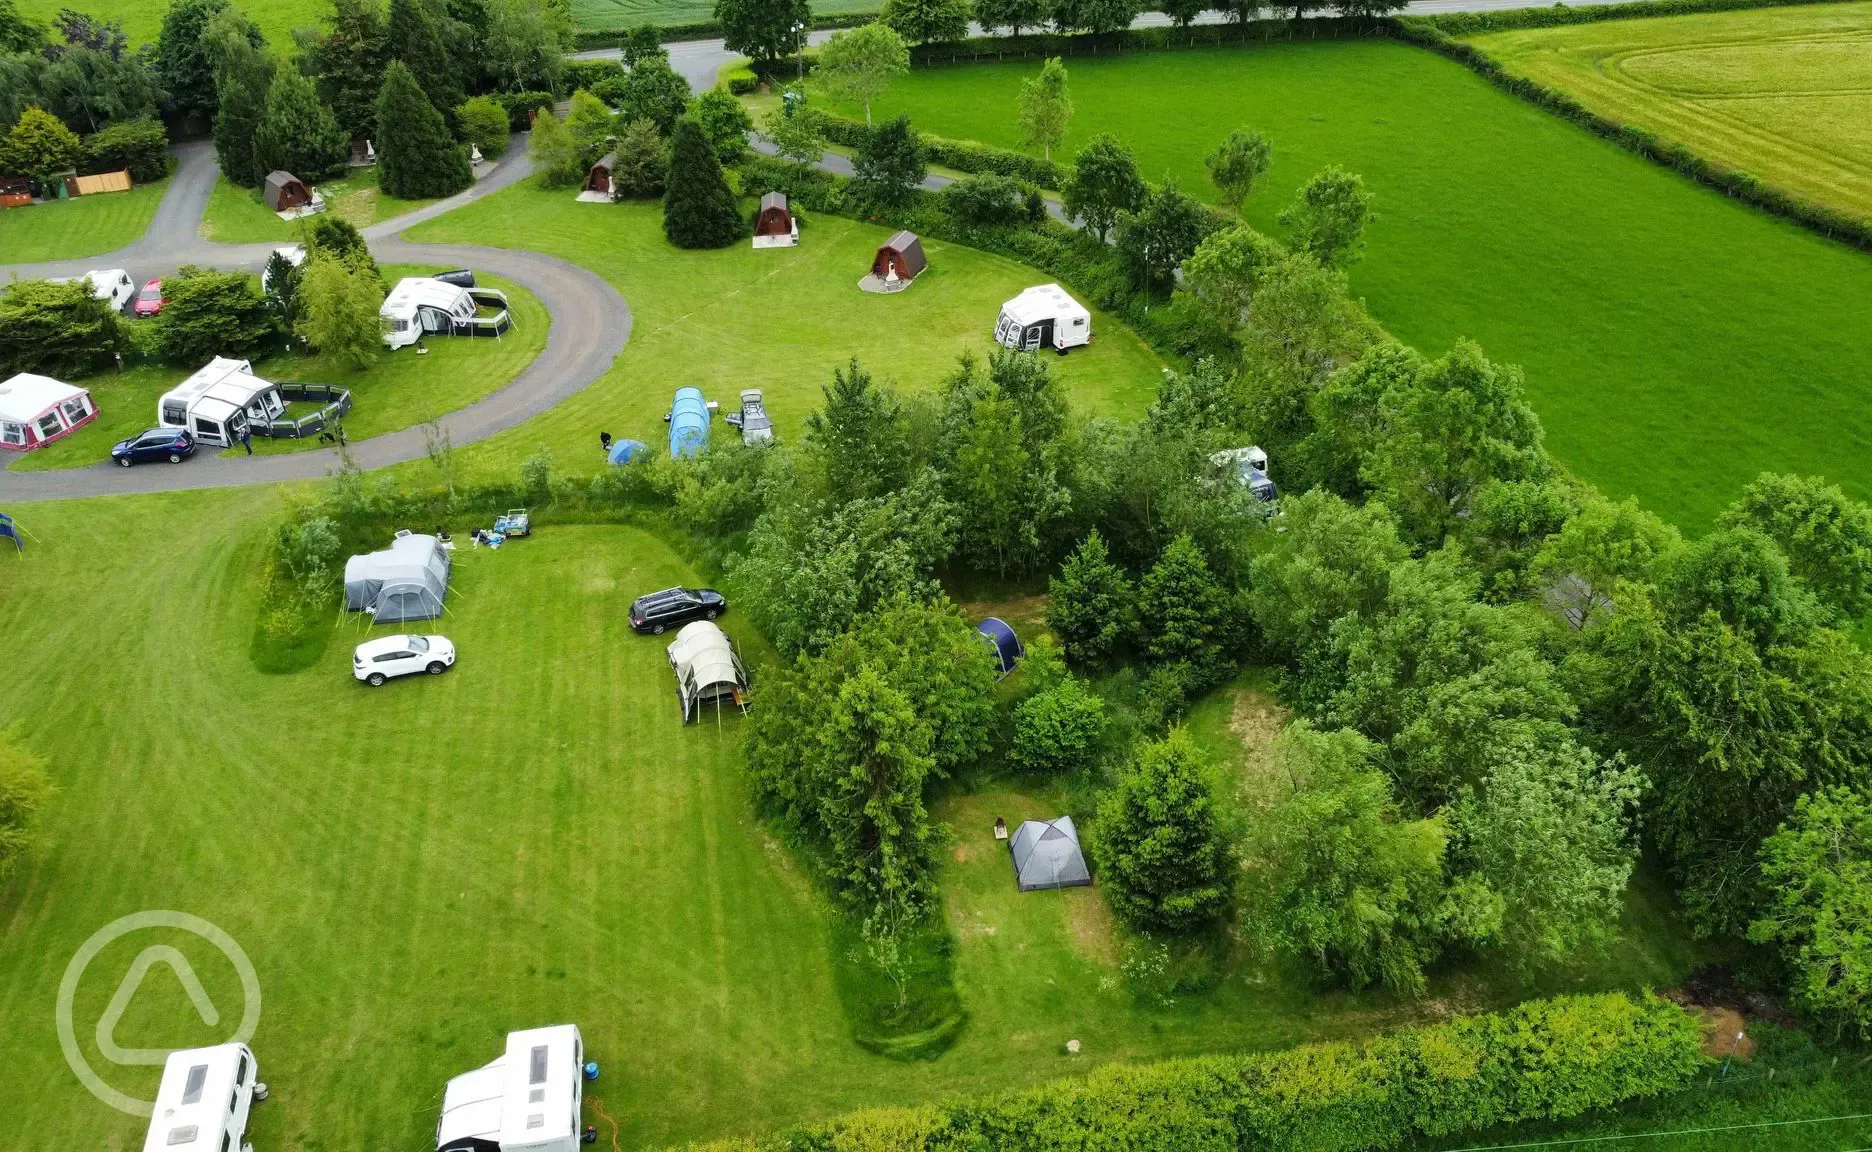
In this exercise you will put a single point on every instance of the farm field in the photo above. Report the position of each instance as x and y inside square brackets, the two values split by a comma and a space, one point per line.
[532, 837]
[1784, 94]
[1675, 342]
[87, 226]
[400, 390]
[236, 215]
[780, 320]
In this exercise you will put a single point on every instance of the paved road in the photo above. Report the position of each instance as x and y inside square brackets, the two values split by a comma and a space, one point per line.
[590, 324]
[700, 61]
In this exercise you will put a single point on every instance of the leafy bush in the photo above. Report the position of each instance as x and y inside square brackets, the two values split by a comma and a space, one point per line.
[1058, 729]
[142, 146]
[521, 106]
[24, 790]
[993, 200]
[485, 122]
[962, 155]
[589, 73]
[1545, 1059]
[739, 80]
[57, 329]
[212, 314]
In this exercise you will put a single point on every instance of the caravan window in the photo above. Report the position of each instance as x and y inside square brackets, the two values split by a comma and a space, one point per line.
[1078, 321]
[192, 1087]
[240, 1072]
[12, 434]
[537, 1074]
[175, 412]
[184, 1135]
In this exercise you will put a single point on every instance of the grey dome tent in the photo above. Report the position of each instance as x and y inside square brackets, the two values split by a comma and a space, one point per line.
[1046, 855]
[406, 581]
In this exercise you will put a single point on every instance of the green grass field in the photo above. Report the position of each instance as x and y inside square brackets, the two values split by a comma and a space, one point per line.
[780, 320]
[532, 837]
[605, 14]
[237, 215]
[87, 226]
[400, 390]
[1675, 342]
[1782, 93]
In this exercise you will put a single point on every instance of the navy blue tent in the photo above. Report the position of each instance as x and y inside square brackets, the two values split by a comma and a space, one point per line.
[1007, 646]
[10, 531]
[624, 451]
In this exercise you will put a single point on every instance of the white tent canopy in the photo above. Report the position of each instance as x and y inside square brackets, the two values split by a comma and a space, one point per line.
[35, 409]
[1043, 317]
[217, 400]
[707, 667]
[527, 1100]
[406, 581]
[1046, 855]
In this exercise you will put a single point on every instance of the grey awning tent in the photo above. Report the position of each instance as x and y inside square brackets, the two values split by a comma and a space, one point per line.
[1046, 855]
[707, 668]
[406, 581]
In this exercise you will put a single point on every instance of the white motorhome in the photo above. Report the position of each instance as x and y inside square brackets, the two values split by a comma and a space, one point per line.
[1043, 317]
[217, 402]
[204, 1100]
[425, 306]
[1250, 468]
[528, 1100]
[112, 285]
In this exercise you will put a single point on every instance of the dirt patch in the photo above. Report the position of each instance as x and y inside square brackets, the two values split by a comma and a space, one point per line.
[1721, 1026]
[601, 584]
[1089, 920]
[1255, 720]
[963, 853]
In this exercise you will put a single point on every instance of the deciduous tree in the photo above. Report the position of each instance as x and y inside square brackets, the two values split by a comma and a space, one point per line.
[1158, 237]
[725, 122]
[181, 60]
[653, 91]
[524, 45]
[1825, 535]
[208, 313]
[1057, 729]
[927, 21]
[1237, 164]
[888, 165]
[39, 146]
[556, 162]
[1818, 869]
[1104, 184]
[338, 308]
[860, 63]
[765, 30]
[1045, 107]
[591, 125]
[484, 122]
[1328, 216]
[1014, 15]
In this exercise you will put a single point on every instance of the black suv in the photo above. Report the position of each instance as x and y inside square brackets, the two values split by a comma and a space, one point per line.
[673, 606]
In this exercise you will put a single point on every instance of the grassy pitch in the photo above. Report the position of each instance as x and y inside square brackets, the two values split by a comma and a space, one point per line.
[1784, 94]
[1676, 342]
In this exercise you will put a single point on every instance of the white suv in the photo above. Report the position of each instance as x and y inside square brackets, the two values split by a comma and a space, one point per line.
[377, 660]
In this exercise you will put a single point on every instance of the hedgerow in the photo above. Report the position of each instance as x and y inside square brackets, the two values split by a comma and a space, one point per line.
[962, 155]
[1545, 1059]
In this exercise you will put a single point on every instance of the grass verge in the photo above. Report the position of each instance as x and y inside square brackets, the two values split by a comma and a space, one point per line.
[237, 215]
[72, 229]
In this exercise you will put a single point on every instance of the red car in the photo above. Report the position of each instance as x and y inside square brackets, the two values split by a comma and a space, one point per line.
[149, 302]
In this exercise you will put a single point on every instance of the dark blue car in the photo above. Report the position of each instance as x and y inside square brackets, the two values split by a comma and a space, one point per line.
[171, 444]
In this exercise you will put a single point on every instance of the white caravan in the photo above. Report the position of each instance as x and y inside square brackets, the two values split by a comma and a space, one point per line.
[425, 306]
[217, 402]
[1043, 317]
[526, 1101]
[109, 284]
[203, 1102]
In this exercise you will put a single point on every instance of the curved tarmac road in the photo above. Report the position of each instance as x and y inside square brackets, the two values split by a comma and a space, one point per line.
[590, 325]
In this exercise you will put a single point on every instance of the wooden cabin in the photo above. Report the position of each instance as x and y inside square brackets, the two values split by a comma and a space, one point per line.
[900, 257]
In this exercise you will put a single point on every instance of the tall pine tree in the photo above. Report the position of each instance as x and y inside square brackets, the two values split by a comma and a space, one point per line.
[421, 35]
[348, 63]
[699, 209]
[245, 75]
[298, 133]
[417, 159]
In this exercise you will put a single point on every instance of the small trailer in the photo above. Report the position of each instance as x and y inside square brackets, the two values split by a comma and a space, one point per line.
[204, 1100]
[1043, 317]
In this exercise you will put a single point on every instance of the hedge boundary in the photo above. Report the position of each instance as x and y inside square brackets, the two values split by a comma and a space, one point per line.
[961, 155]
[1431, 32]
[1543, 1060]
[587, 39]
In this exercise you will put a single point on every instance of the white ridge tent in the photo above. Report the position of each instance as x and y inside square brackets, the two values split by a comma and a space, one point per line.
[1046, 855]
[707, 668]
[528, 1100]
[406, 581]
[217, 401]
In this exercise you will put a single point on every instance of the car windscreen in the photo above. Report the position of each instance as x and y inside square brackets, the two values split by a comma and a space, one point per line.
[150, 294]
[419, 643]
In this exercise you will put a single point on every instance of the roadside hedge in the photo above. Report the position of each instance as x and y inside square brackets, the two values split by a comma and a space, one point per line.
[1044, 44]
[142, 146]
[962, 155]
[1433, 33]
[1472, 23]
[1546, 1059]
[586, 39]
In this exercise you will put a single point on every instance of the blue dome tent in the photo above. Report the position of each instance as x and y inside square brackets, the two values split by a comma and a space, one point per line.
[1007, 647]
[688, 424]
[624, 451]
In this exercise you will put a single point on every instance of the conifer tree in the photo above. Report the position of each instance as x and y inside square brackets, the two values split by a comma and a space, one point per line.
[244, 78]
[1089, 603]
[699, 209]
[417, 159]
[298, 133]
[1160, 845]
[419, 36]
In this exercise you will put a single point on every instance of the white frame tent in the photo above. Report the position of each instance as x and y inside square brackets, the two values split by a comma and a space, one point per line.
[404, 582]
[208, 403]
[204, 1100]
[1046, 855]
[530, 1099]
[36, 410]
[707, 668]
[1044, 316]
